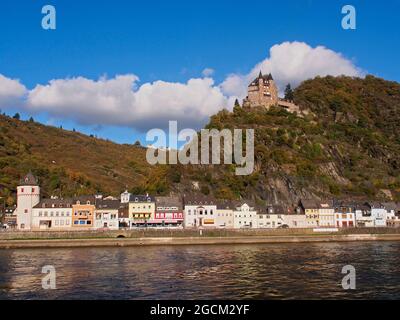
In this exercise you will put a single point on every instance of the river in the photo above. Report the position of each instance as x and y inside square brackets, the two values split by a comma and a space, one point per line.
[273, 271]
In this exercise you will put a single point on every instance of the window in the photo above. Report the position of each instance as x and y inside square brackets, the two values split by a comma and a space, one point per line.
[26, 211]
[33, 190]
[22, 191]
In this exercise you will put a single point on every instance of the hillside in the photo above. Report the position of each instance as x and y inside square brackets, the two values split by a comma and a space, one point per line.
[69, 163]
[348, 146]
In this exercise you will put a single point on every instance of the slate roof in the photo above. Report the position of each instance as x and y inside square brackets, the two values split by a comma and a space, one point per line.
[141, 198]
[29, 180]
[55, 203]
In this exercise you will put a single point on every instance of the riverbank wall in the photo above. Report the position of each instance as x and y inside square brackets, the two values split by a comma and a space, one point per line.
[131, 238]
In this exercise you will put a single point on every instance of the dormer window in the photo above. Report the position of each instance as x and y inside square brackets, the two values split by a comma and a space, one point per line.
[88, 202]
[78, 202]
[136, 199]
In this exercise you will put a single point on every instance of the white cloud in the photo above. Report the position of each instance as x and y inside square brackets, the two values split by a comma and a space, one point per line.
[123, 101]
[120, 101]
[293, 62]
[207, 72]
[11, 91]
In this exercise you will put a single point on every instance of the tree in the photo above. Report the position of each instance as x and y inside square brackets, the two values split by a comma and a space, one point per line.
[289, 95]
[31, 119]
[237, 104]
[17, 116]
[137, 143]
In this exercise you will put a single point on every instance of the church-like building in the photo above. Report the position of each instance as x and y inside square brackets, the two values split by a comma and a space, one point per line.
[263, 92]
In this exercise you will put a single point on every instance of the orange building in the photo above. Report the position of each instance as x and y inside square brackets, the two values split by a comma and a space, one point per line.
[83, 212]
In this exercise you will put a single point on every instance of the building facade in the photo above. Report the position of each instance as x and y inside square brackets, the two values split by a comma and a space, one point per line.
[311, 210]
[225, 214]
[106, 214]
[141, 210]
[52, 214]
[270, 217]
[245, 216]
[326, 214]
[83, 209]
[168, 212]
[345, 216]
[200, 212]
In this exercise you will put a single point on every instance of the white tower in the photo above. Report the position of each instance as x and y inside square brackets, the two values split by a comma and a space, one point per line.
[28, 196]
[125, 196]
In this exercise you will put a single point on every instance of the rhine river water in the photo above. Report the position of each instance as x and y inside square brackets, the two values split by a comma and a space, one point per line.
[272, 271]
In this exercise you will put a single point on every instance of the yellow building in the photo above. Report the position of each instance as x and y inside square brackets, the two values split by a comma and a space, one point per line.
[311, 210]
[141, 210]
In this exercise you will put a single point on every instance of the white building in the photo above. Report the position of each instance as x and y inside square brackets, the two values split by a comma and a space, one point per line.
[106, 214]
[345, 215]
[225, 216]
[271, 217]
[199, 212]
[326, 214]
[245, 216]
[52, 214]
[28, 196]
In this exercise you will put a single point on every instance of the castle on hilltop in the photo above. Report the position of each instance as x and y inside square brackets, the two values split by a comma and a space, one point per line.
[262, 91]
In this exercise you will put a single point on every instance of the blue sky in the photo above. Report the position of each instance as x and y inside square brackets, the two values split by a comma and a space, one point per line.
[175, 41]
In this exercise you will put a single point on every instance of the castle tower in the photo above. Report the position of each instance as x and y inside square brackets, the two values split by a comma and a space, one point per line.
[262, 91]
[28, 196]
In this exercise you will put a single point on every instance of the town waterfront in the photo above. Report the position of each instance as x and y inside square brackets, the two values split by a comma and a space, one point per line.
[256, 271]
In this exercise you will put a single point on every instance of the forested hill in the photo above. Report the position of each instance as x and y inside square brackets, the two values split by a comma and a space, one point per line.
[69, 163]
[347, 146]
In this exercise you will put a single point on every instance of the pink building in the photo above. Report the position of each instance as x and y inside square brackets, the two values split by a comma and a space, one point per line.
[169, 212]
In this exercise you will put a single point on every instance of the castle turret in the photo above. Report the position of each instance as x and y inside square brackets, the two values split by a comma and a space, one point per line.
[28, 196]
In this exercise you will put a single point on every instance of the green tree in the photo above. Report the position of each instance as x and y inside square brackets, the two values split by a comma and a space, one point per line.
[31, 119]
[289, 95]
[17, 116]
